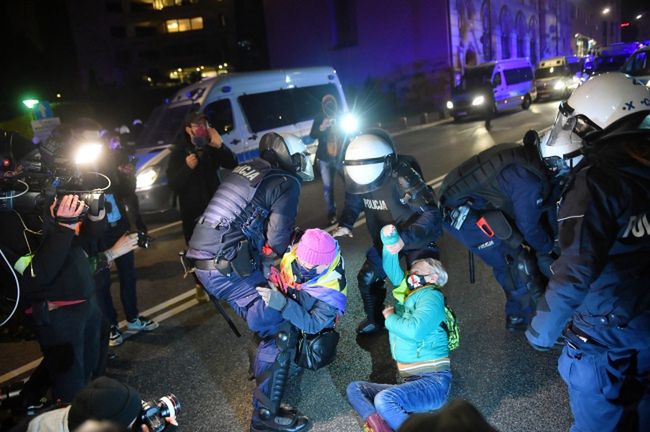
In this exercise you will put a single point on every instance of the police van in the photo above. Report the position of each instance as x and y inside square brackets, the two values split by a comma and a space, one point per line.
[557, 77]
[242, 107]
[493, 87]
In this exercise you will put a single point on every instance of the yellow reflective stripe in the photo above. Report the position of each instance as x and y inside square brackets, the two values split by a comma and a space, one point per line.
[23, 262]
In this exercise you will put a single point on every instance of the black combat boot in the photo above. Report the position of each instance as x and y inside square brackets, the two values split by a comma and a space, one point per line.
[271, 415]
[373, 301]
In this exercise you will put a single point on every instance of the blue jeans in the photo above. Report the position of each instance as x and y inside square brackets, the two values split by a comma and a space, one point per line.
[328, 170]
[394, 402]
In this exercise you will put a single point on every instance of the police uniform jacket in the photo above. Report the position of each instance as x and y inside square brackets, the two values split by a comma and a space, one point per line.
[600, 282]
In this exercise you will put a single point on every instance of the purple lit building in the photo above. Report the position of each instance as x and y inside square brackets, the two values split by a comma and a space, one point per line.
[414, 49]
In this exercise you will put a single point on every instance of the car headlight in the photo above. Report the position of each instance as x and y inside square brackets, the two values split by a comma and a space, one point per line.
[559, 85]
[478, 100]
[87, 153]
[349, 123]
[146, 178]
[450, 105]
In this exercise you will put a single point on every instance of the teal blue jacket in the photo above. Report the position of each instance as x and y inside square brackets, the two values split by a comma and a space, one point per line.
[414, 329]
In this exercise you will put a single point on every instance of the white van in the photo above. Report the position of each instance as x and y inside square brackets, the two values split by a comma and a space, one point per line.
[495, 86]
[241, 107]
[557, 77]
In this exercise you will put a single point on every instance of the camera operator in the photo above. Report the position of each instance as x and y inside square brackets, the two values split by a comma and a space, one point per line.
[56, 291]
[104, 405]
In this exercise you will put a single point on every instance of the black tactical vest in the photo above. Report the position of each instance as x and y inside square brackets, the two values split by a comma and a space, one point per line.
[388, 204]
[477, 176]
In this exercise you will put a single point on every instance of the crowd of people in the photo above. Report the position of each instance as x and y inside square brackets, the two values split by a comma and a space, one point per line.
[562, 220]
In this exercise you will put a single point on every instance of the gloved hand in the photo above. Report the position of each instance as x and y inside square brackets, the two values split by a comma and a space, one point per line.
[122, 246]
[391, 239]
[272, 297]
[341, 231]
[544, 262]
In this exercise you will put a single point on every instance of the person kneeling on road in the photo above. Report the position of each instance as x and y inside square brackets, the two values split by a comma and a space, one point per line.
[419, 333]
[309, 290]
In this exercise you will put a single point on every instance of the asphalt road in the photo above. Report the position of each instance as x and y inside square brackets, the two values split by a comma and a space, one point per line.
[194, 355]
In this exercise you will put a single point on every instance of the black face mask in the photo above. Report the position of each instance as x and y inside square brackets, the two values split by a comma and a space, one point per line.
[414, 281]
[302, 274]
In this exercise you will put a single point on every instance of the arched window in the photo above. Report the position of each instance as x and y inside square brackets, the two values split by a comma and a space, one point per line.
[486, 36]
[532, 32]
[505, 22]
[520, 25]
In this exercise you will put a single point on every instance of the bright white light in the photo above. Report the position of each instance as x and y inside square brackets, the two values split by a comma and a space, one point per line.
[639, 16]
[605, 11]
[349, 123]
[478, 100]
[559, 85]
[450, 105]
[87, 153]
[576, 79]
[146, 178]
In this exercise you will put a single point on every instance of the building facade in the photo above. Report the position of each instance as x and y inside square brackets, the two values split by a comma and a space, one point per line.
[417, 49]
[121, 42]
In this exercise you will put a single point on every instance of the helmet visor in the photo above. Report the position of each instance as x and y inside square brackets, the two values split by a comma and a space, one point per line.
[304, 167]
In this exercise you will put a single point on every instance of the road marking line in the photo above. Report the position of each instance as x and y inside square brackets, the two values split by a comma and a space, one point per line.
[163, 305]
[173, 224]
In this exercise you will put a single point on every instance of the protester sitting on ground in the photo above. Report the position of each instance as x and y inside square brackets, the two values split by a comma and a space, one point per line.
[418, 333]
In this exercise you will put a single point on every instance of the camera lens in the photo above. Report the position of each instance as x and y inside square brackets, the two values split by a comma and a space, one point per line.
[169, 405]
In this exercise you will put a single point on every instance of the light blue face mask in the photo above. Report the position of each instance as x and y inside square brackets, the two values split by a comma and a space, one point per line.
[114, 214]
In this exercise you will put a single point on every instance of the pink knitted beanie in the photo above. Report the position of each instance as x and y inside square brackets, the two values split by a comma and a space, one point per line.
[316, 247]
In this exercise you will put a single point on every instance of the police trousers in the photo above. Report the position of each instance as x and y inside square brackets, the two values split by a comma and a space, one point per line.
[609, 390]
[500, 256]
[243, 298]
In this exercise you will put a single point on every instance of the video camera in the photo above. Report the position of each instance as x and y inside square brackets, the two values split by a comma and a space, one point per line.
[64, 164]
[153, 413]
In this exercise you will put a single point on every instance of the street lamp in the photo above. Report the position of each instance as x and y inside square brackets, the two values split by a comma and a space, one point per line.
[639, 16]
[606, 11]
[30, 103]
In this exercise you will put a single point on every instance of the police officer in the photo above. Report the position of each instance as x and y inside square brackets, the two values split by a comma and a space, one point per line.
[494, 203]
[599, 285]
[247, 224]
[390, 190]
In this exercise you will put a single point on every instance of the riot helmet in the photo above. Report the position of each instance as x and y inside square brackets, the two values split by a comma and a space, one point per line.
[605, 103]
[288, 152]
[368, 160]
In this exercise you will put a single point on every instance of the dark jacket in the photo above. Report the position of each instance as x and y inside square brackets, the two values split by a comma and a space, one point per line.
[328, 135]
[59, 269]
[600, 281]
[195, 187]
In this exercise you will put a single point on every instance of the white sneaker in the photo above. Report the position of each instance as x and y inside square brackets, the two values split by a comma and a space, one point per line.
[115, 338]
[142, 324]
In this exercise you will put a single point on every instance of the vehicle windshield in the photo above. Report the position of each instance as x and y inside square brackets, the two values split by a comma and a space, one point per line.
[609, 63]
[477, 77]
[163, 126]
[638, 65]
[552, 72]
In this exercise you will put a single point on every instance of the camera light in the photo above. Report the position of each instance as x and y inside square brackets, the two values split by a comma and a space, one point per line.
[560, 85]
[87, 153]
[146, 178]
[478, 100]
[450, 105]
[349, 123]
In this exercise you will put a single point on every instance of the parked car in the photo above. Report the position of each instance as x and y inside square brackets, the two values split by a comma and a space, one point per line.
[493, 87]
[557, 77]
[241, 107]
[638, 65]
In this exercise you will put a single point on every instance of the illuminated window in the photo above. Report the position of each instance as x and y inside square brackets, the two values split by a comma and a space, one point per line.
[184, 24]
